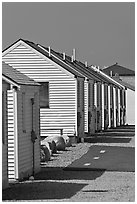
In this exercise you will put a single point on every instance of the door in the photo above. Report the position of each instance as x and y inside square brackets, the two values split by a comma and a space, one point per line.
[80, 108]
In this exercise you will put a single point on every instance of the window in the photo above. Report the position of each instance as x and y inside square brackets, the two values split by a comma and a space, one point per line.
[44, 95]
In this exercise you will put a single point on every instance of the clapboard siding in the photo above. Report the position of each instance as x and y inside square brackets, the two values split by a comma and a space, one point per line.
[86, 85]
[25, 152]
[4, 138]
[62, 95]
[11, 146]
[102, 105]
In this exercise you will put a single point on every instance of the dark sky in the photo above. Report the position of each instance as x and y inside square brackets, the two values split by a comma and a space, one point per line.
[102, 33]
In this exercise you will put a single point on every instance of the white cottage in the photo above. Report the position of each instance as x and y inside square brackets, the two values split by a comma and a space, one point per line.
[61, 91]
[116, 101]
[23, 158]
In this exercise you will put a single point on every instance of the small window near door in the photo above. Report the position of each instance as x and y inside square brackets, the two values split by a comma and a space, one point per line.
[44, 95]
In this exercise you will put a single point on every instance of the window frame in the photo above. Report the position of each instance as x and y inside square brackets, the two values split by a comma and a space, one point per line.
[23, 112]
[42, 85]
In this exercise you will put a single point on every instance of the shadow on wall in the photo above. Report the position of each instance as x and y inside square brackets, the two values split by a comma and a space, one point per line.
[40, 190]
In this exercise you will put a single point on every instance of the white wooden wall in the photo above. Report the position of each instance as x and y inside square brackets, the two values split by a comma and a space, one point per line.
[95, 104]
[4, 138]
[25, 144]
[62, 111]
[11, 132]
[130, 107]
[103, 105]
[86, 105]
[109, 106]
[20, 147]
[114, 102]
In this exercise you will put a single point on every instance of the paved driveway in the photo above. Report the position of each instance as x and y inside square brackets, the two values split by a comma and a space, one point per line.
[56, 185]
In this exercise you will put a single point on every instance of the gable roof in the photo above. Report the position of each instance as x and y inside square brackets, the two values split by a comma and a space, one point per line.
[127, 85]
[77, 68]
[46, 54]
[121, 71]
[16, 76]
[110, 79]
[80, 67]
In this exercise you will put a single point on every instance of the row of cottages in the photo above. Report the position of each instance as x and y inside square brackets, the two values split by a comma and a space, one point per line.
[117, 101]
[96, 86]
[74, 99]
[20, 125]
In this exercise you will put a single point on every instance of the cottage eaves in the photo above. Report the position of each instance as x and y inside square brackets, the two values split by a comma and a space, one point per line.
[16, 76]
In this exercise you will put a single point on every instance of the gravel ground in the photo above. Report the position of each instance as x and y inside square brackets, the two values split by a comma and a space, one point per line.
[54, 184]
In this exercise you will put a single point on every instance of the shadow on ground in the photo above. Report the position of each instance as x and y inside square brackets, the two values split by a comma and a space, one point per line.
[52, 173]
[107, 140]
[50, 183]
[40, 190]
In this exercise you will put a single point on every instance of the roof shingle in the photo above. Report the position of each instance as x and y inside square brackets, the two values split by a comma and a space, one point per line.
[16, 76]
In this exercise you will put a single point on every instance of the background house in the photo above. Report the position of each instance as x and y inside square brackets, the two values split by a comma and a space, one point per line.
[125, 74]
[22, 117]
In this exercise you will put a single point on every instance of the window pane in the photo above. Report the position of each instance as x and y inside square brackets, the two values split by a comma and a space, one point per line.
[44, 95]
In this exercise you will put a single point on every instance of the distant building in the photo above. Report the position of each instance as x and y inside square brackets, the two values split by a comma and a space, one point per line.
[125, 74]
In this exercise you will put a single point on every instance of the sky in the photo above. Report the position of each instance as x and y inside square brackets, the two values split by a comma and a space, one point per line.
[102, 33]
